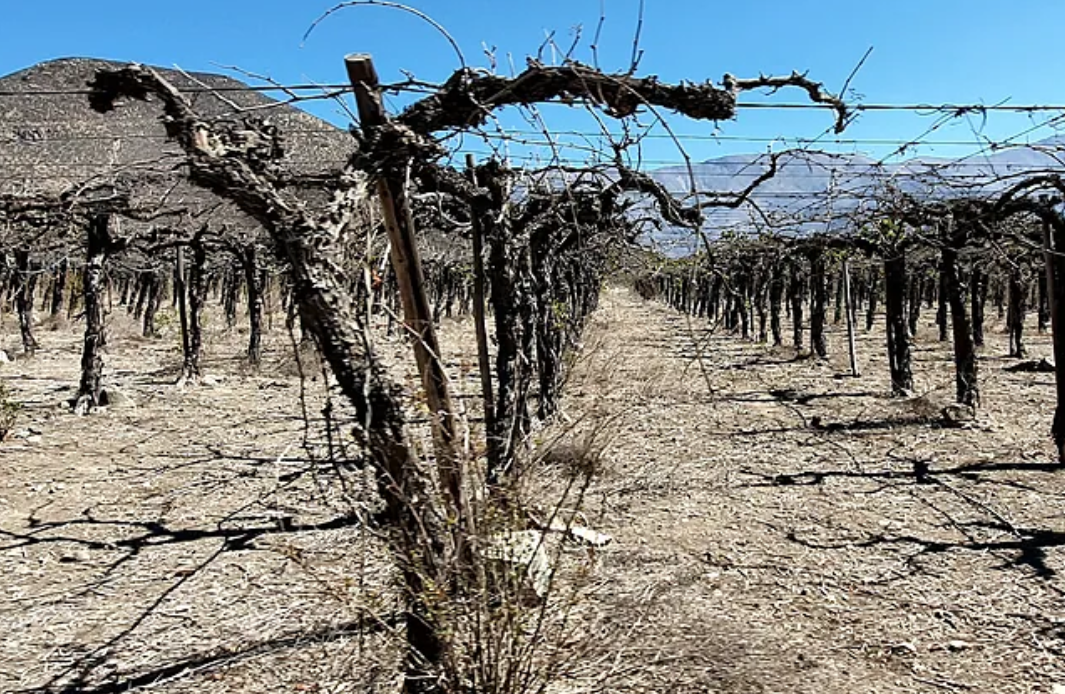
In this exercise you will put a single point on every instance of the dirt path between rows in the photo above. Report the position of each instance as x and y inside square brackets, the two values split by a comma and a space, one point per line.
[770, 533]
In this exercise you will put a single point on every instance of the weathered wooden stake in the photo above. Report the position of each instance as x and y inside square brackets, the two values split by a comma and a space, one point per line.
[424, 638]
[407, 265]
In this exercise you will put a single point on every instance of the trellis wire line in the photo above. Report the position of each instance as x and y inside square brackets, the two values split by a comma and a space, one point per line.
[959, 109]
[693, 137]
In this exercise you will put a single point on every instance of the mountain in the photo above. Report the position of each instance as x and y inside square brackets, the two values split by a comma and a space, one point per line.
[808, 185]
[50, 139]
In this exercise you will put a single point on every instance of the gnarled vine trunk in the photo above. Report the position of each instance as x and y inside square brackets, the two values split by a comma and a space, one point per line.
[231, 292]
[254, 280]
[818, 296]
[92, 363]
[873, 289]
[154, 301]
[197, 299]
[898, 339]
[510, 297]
[1017, 311]
[776, 296]
[965, 369]
[916, 281]
[979, 299]
[24, 301]
[942, 298]
[796, 290]
[59, 287]
[761, 291]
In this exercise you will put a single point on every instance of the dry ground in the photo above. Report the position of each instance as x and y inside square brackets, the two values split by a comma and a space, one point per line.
[769, 532]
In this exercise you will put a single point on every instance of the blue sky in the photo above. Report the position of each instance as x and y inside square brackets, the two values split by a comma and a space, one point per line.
[924, 51]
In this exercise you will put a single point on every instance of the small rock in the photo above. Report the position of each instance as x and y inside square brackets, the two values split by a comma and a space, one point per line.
[115, 398]
[78, 556]
[904, 647]
[589, 536]
[958, 414]
[4, 359]
[29, 435]
[211, 380]
[958, 645]
[1057, 688]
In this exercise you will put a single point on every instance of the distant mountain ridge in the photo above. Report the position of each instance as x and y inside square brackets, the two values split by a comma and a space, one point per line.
[807, 183]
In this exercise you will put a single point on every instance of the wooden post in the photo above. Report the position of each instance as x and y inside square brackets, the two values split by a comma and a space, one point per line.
[850, 318]
[479, 323]
[407, 265]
